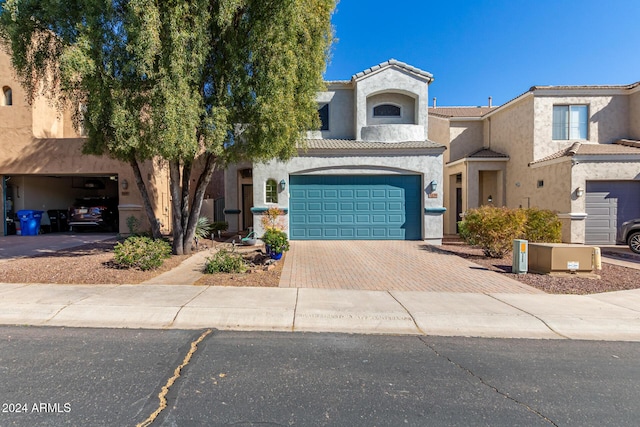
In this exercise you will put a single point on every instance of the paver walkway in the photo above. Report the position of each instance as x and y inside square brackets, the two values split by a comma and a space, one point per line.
[388, 265]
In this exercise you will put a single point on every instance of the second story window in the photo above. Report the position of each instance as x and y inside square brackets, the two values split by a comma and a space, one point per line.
[386, 110]
[7, 96]
[323, 112]
[271, 191]
[570, 122]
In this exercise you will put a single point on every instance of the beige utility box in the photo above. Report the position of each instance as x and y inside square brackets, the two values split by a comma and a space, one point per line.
[560, 258]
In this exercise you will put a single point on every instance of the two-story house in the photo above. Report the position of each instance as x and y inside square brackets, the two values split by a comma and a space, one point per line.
[571, 149]
[370, 172]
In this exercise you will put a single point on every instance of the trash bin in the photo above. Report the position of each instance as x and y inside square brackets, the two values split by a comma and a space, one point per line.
[30, 222]
[53, 217]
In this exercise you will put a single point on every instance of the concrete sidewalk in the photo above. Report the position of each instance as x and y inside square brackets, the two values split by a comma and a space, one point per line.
[610, 316]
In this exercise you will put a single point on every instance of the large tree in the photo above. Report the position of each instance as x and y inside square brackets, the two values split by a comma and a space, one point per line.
[197, 84]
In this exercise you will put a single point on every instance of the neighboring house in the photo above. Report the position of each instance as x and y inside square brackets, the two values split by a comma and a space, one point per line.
[42, 166]
[370, 172]
[571, 149]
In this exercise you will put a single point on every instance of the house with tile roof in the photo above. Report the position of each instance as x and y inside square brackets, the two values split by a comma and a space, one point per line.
[369, 172]
[571, 149]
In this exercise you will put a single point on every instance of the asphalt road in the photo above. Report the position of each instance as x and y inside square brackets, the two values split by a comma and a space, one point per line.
[104, 377]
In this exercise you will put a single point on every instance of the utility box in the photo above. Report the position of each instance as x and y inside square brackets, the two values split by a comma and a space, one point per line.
[520, 256]
[560, 259]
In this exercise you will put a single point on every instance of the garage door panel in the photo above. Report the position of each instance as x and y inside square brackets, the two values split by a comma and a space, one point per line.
[608, 204]
[355, 207]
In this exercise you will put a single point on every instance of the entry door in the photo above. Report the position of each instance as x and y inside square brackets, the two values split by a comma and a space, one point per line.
[247, 204]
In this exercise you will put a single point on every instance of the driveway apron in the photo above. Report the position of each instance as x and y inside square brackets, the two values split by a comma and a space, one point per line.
[388, 265]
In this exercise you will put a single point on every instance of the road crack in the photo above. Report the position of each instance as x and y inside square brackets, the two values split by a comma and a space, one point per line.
[162, 396]
[486, 384]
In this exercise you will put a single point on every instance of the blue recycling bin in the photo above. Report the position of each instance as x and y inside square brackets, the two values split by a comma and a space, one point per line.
[30, 222]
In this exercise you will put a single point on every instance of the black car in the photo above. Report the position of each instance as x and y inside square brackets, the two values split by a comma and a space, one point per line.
[629, 234]
[100, 213]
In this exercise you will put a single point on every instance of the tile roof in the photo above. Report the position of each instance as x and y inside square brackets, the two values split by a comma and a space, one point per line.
[582, 87]
[397, 63]
[449, 112]
[350, 144]
[484, 153]
[620, 147]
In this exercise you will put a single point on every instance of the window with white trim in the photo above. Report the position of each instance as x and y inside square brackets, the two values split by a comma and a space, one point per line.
[570, 122]
[271, 191]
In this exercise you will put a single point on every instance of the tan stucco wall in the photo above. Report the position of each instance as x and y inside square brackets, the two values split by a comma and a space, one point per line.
[608, 121]
[466, 137]
[634, 115]
[512, 133]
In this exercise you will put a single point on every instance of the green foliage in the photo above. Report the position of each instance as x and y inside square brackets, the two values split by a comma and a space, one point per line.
[133, 224]
[219, 226]
[276, 239]
[225, 261]
[203, 228]
[492, 229]
[141, 252]
[542, 225]
[175, 80]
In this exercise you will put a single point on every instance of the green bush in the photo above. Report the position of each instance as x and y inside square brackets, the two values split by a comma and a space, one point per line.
[141, 252]
[219, 226]
[492, 229]
[542, 225]
[225, 261]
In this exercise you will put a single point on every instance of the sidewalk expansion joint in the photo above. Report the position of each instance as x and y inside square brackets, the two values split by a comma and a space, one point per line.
[530, 314]
[162, 396]
[413, 319]
[295, 311]
[486, 384]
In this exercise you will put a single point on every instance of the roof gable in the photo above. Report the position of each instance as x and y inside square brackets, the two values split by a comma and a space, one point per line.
[393, 63]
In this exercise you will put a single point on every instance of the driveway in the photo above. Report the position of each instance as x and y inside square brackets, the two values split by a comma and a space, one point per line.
[27, 246]
[388, 265]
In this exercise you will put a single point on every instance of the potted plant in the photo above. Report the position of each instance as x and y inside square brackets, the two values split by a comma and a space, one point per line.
[276, 242]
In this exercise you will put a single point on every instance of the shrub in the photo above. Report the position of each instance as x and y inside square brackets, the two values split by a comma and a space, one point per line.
[492, 229]
[203, 228]
[225, 261]
[542, 225]
[141, 252]
[133, 224]
[276, 239]
[219, 226]
[272, 219]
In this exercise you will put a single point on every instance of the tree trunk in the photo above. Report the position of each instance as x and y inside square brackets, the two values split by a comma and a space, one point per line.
[146, 201]
[201, 187]
[176, 205]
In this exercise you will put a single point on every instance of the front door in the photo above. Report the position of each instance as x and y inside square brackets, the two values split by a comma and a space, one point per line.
[247, 204]
[458, 208]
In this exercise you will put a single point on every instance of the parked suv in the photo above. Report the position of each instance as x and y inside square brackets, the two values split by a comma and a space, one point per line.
[629, 234]
[94, 213]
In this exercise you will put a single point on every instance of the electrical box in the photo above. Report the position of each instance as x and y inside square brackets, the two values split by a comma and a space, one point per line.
[520, 256]
[561, 258]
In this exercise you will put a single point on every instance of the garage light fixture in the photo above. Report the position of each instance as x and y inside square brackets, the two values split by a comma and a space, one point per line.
[124, 184]
[283, 184]
[434, 185]
[579, 192]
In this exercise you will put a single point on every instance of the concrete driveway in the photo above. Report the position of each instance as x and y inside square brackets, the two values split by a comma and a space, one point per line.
[388, 265]
[27, 246]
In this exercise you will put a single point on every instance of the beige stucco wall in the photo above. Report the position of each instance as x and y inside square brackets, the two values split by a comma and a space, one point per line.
[634, 114]
[341, 113]
[511, 132]
[405, 102]
[608, 121]
[466, 137]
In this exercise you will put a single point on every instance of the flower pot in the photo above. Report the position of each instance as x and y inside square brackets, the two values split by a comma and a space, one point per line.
[275, 255]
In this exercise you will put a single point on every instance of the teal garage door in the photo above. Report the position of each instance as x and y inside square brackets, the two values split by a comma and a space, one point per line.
[354, 207]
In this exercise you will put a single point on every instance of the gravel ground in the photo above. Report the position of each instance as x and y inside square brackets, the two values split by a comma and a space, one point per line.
[94, 264]
[612, 277]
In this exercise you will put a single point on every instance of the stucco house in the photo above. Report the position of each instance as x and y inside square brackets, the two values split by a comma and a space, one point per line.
[370, 172]
[571, 149]
[42, 166]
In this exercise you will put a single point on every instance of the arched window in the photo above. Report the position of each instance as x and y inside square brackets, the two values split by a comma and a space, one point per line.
[386, 110]
[271, 191]
[7, 98]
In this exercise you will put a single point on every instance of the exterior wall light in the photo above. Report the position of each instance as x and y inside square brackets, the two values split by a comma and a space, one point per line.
[124, 184]
[579, 192]
[490, 198]
[434, 185]
[283, 184]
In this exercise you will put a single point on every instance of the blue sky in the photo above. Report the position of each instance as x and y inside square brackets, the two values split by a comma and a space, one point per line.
[477, 49]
